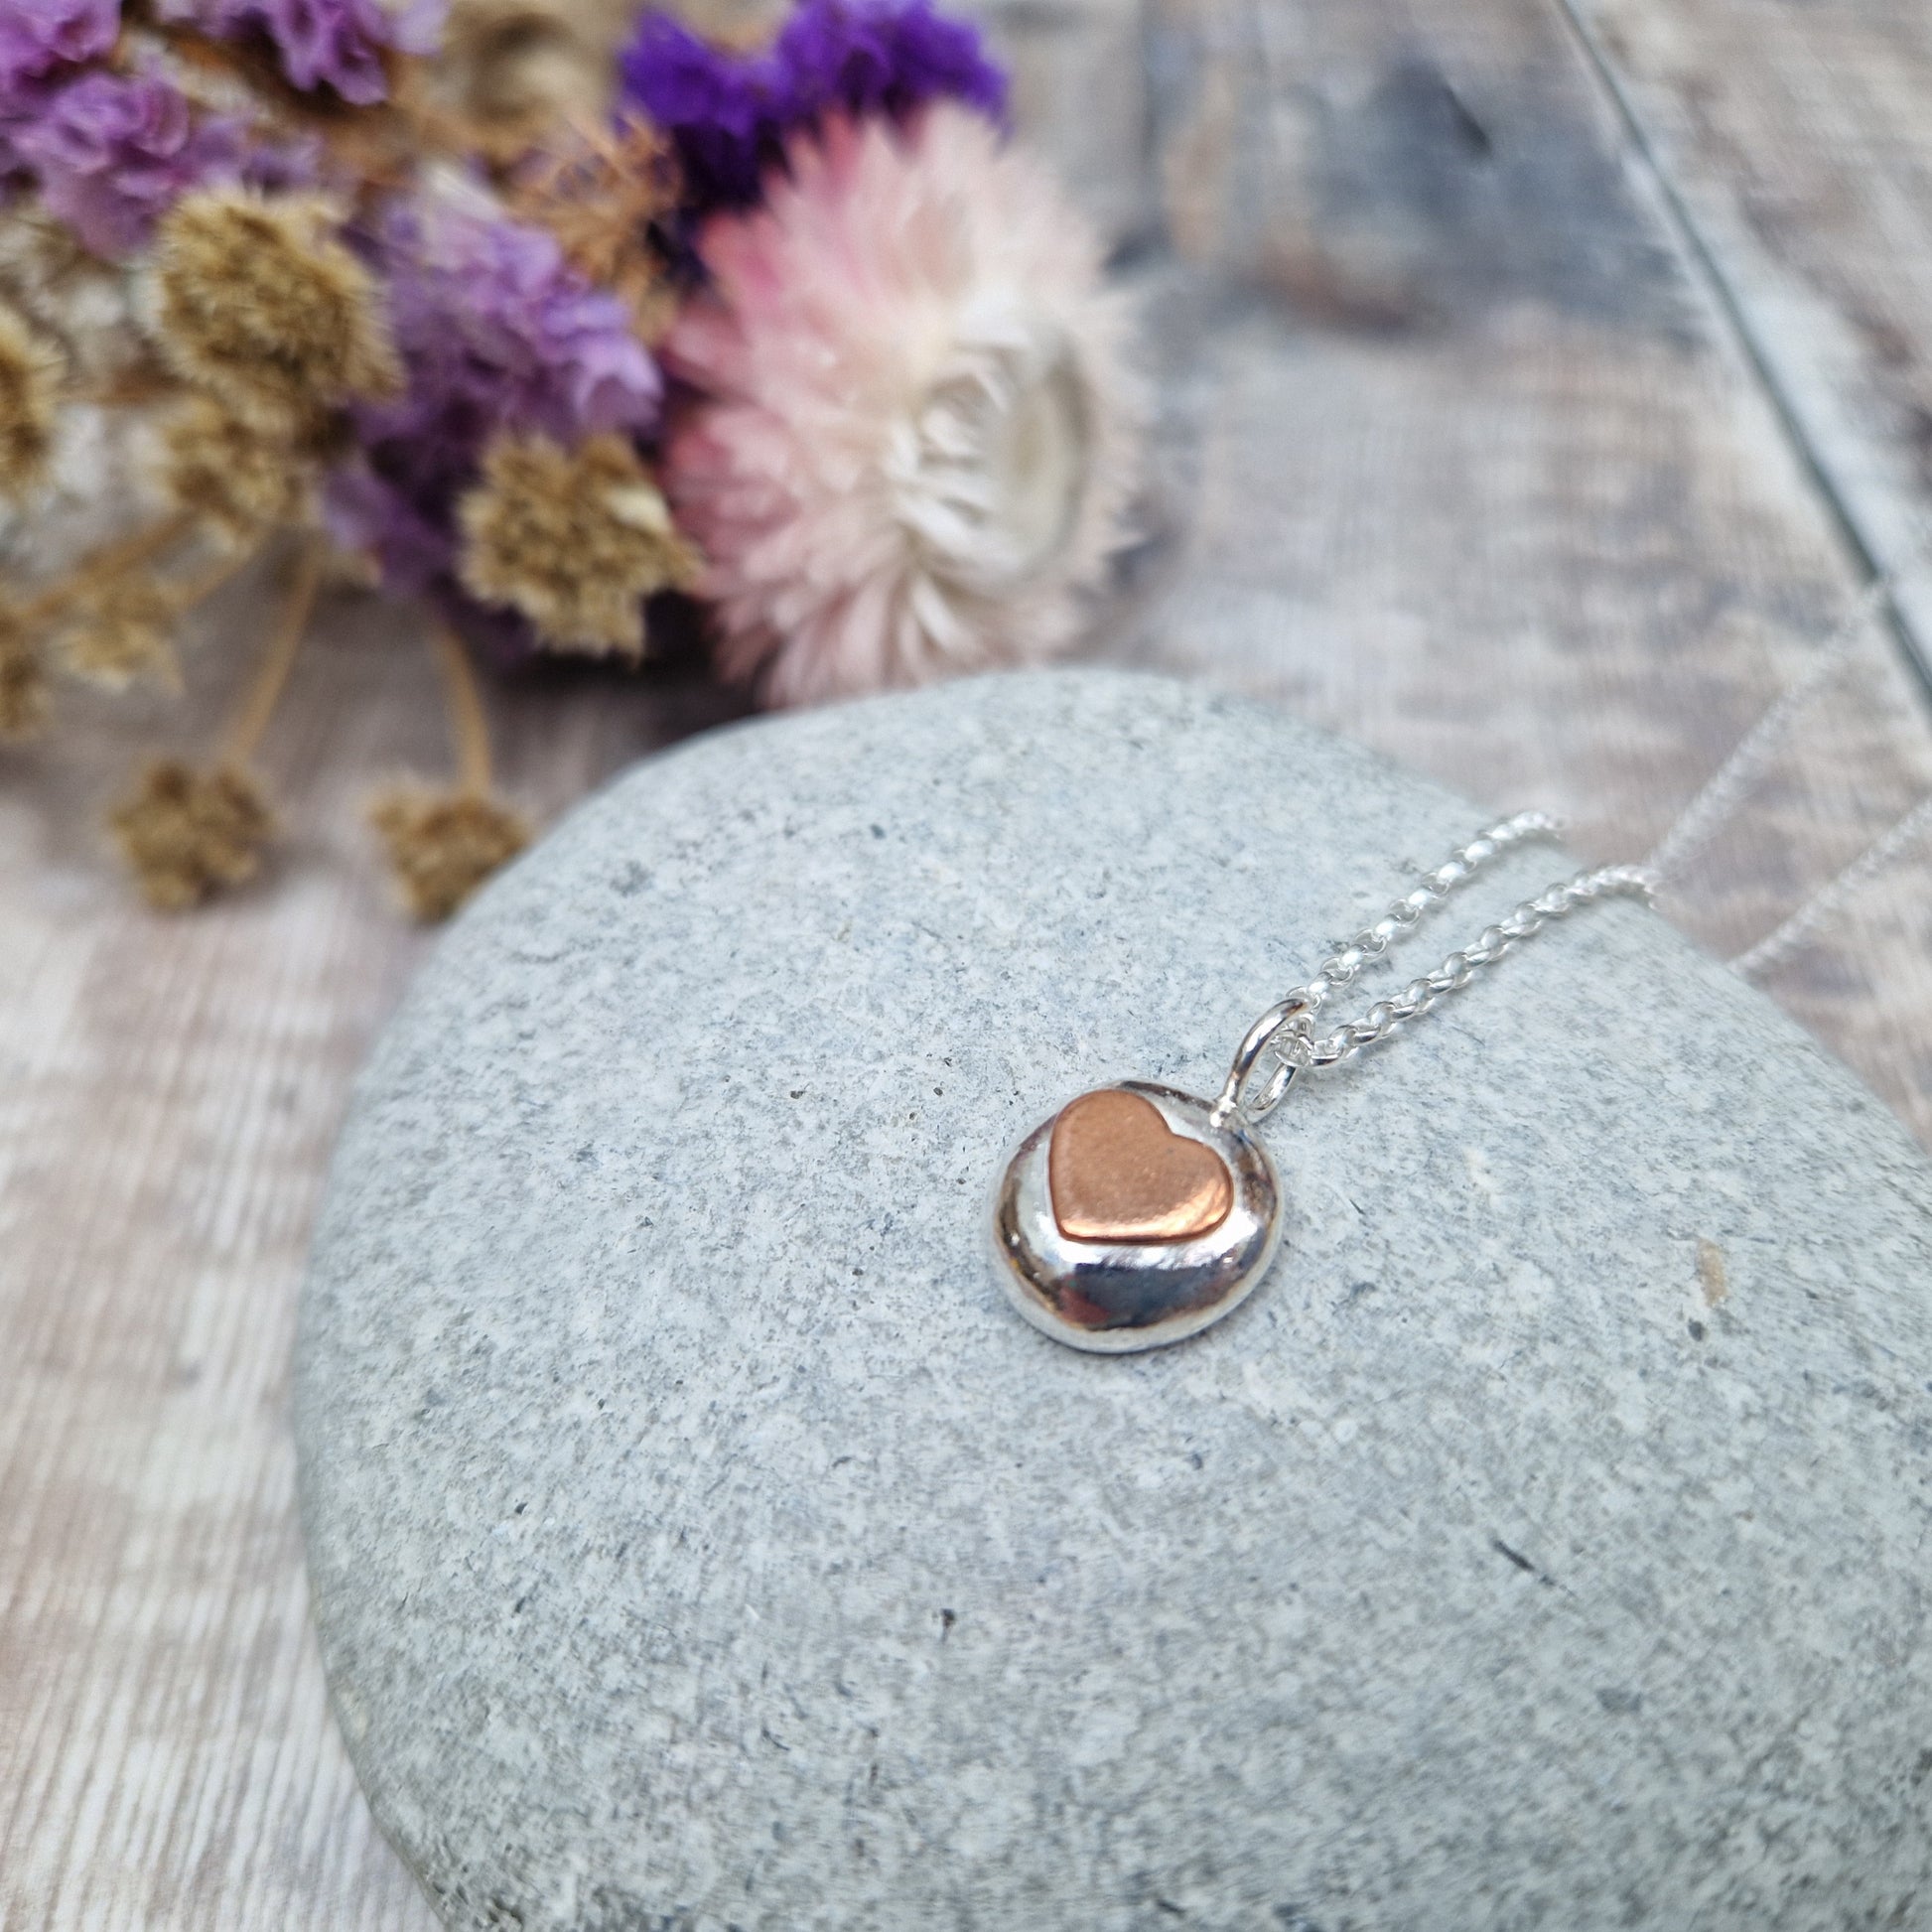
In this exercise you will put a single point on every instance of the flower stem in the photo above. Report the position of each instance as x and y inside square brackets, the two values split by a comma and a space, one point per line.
[469, 726]
[258, 701]
[110, 560]
[198, 589]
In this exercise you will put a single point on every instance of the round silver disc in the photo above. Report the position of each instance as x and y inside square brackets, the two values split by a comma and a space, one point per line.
[1109, 1289]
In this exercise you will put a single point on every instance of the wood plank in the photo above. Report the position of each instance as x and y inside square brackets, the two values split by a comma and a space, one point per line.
[1456, 455]
[1470, 465]
[1798, 144]
[168, 1090]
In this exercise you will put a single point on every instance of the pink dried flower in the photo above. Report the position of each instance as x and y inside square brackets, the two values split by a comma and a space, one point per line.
[917, 438]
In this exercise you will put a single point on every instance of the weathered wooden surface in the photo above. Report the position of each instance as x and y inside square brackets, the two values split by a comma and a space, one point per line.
[167, 1095]
[1519, 475]
[1797, 143]
[1460, 454]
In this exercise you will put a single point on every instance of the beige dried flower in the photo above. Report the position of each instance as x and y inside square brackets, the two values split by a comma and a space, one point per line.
[574, 539]
[124, 629]
[188, 833]
[29, 379]
[442, 845]
[257, 299]
[603, 196]
[519, 68]
[238, 479]
[24, 698]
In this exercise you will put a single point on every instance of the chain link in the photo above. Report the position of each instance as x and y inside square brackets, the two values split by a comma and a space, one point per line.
[1284, 1042]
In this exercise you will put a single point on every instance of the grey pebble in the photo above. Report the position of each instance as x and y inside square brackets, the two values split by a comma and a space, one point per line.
[700, 1544]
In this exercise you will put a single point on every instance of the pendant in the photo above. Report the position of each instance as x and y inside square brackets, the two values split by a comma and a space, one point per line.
[1138, 1215]
[1135, 1218]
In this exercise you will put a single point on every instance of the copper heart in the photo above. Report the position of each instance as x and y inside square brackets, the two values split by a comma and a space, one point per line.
[1118, 1171]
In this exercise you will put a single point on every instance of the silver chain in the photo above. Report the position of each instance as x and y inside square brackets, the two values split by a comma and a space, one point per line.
[1283, 1043]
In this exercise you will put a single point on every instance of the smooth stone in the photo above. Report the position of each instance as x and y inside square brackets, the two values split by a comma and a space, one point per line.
[699, 1540]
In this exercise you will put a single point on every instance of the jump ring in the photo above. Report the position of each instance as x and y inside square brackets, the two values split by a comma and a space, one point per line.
[1254, 1044]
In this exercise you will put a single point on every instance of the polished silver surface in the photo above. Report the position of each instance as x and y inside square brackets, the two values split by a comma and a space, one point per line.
[1112, 1298]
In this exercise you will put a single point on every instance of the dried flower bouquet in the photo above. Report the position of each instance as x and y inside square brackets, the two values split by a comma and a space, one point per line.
[531, 335]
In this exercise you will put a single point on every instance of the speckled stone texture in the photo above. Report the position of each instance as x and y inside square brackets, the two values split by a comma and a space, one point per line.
[700, 1541]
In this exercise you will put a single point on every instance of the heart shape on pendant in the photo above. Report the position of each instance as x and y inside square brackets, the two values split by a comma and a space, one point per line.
[1117, 1171]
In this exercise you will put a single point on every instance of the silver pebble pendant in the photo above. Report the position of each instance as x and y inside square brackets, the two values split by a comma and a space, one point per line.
[1140, 1215]
[1135, 1218]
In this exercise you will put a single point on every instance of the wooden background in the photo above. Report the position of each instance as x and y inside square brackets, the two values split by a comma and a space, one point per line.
[1541, 379]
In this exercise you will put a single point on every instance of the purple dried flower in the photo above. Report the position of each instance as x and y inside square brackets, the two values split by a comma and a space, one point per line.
[489, 306]
[729, 113]
[497, 331]
[38, 37]
[723, 113]
[284, 167]
[870, 58]
[335, 44]
[370, 513]
[112, 153]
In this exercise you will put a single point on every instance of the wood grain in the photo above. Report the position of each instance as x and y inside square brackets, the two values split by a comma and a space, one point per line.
[1460, 450]
[1471, 463]
[168, 1090]
[1797, 145]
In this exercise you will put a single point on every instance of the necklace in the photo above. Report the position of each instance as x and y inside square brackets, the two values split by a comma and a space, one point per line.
[1137, 1215]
